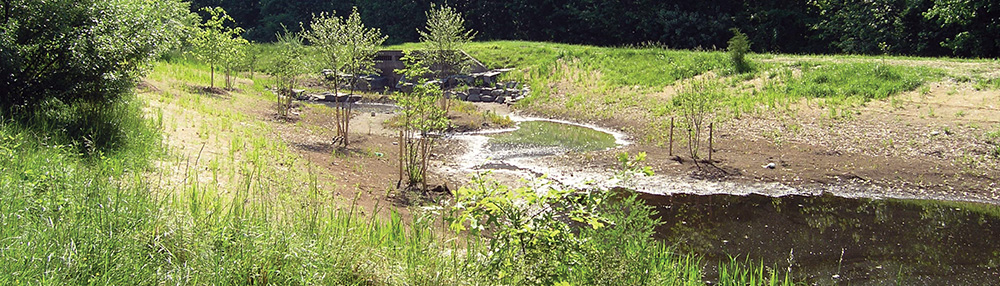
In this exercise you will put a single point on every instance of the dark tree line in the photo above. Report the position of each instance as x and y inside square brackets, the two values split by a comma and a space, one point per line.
[966, 28]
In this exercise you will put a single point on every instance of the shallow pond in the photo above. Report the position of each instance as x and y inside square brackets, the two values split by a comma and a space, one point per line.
[832, 240]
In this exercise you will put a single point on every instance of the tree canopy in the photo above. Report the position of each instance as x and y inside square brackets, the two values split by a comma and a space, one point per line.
[81, 50]
[904, 27]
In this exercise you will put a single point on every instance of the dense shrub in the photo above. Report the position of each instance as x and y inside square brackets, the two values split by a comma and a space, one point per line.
[73, 51]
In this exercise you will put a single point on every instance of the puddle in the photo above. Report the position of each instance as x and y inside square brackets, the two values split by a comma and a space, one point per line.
[828, 240]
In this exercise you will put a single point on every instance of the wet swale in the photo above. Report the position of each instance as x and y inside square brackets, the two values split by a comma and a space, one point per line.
[828, 240]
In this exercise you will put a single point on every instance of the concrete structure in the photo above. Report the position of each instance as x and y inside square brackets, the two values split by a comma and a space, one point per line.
[388, 61]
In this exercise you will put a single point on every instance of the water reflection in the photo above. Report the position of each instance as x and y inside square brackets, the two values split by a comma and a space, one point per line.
[831, 240]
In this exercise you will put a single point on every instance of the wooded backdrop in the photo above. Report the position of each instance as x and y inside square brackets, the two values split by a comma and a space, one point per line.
[966, 28]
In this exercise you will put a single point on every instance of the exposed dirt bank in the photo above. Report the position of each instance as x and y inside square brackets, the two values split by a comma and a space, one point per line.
[929, 144]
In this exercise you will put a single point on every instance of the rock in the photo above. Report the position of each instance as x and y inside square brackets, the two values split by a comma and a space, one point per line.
[770, 166]
[474, 98]
[406, 88]
[935, 133]
[463, 96]
[475, 91]
[497, 93]
[488, 98]
[501, 99]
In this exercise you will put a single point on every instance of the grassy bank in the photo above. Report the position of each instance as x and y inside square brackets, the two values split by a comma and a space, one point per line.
[138, 207]
[641, 83]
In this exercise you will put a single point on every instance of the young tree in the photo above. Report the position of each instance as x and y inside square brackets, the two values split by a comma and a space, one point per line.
[326, 35]
[444, 37]
[217, 44]
[348, 46]
[286, 67]
[421, 115]
[234, 56]
[698, 102]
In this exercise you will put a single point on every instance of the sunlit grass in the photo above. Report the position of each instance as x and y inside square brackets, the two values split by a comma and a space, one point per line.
[551, 134]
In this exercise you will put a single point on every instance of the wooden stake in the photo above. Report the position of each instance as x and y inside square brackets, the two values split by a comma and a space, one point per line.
[671, 137]
[711, 127]
[401, 156]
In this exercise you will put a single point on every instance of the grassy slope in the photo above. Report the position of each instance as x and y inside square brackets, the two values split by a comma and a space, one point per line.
[639, 83]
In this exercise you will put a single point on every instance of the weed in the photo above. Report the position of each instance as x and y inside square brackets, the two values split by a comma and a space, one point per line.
[925, 90]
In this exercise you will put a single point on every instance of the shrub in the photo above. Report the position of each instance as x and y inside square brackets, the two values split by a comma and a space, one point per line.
[738, 48]
[81, 50]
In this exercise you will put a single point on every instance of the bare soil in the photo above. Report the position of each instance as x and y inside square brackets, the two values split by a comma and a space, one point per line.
[928, 144]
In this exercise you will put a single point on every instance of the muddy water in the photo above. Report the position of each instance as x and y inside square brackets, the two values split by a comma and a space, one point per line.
[830, 240]
[822, 239]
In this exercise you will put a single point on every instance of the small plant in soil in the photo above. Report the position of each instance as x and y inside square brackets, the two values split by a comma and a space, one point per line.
[286, 68]
[420, 116]
[698, 102]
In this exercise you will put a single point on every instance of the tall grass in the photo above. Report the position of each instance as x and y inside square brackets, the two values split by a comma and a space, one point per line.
[74, 208]
[868, 81]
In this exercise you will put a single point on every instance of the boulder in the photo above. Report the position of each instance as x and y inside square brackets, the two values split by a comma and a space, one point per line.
[463, 96]
[475, 91]
[488, 98]
[474, 98]
[501, 99]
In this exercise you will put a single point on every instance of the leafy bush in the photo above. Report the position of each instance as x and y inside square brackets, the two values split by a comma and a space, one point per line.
[87, 50]
[542, 235]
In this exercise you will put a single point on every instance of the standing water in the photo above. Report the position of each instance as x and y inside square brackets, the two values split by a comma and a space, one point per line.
[821, 240]
[829, 240]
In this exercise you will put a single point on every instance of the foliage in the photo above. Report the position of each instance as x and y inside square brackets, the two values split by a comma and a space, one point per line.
[445, 36]
[917, 27]
[71, 51]
[215, 43]
[286, 67]
[544, 235]
[346, 46]
[420, 116]
[971, 31]
[325, 36]
[698, 101]
[738, 48]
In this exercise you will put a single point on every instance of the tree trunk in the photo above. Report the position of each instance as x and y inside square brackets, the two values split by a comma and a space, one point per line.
[212, 82]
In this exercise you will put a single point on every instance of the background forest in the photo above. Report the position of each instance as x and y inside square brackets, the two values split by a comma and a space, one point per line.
[965, 28]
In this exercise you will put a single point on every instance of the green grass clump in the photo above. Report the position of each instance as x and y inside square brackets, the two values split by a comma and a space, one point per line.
[867, 81]
[551, 134]
[74, 211]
